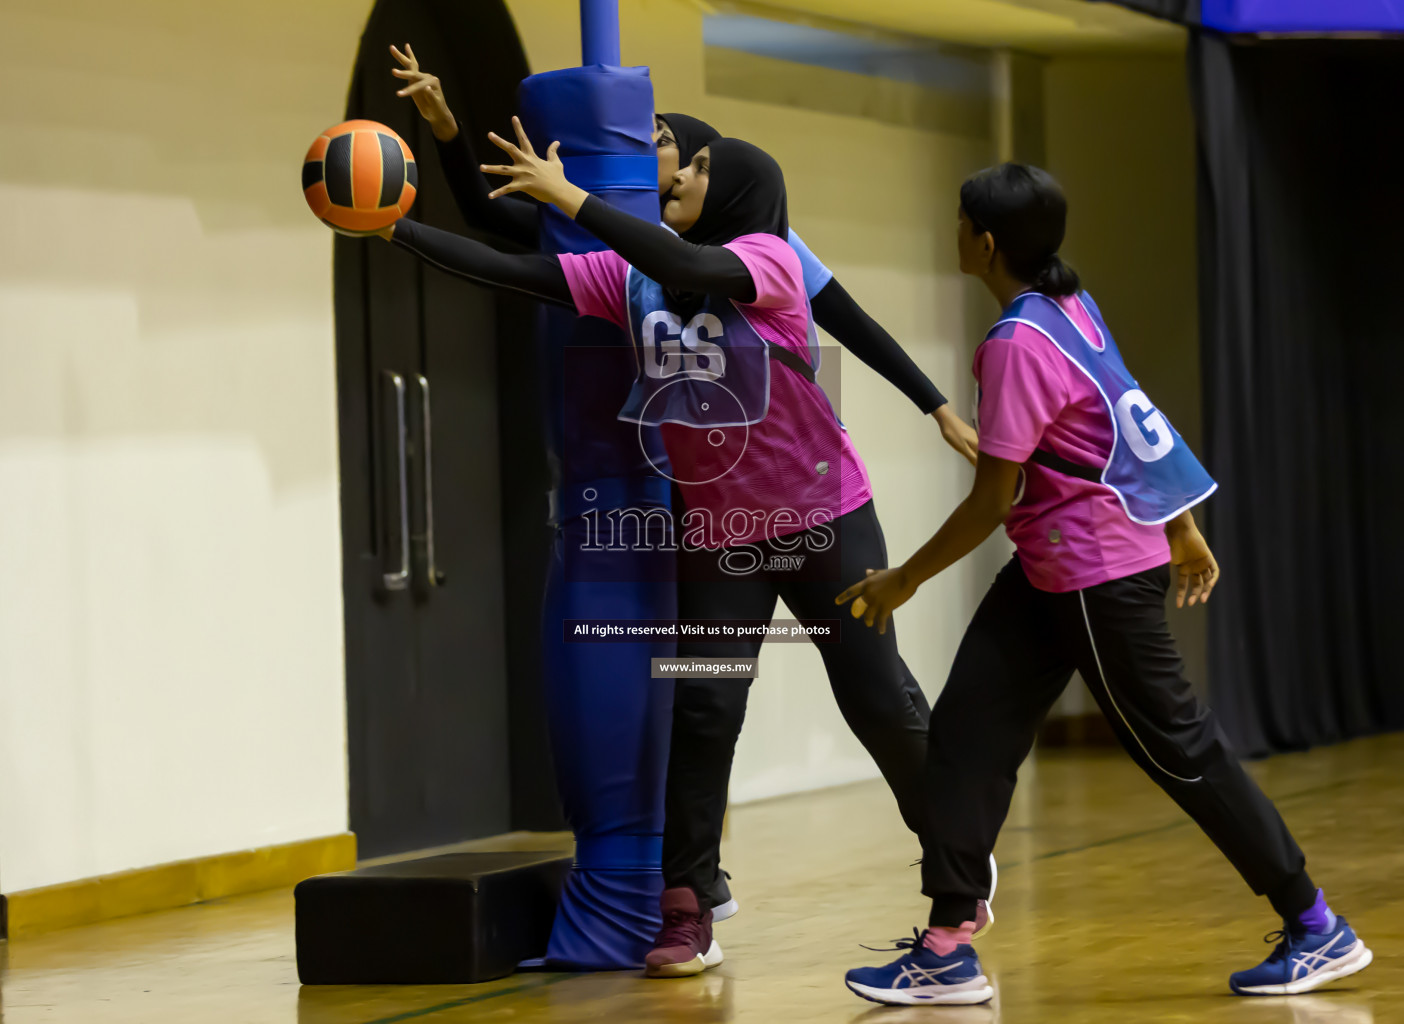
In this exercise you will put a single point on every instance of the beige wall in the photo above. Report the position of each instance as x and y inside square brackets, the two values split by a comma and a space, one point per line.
[1120, 138]
[888, 236]
[171, 673]
[171, 663]
[171, 668]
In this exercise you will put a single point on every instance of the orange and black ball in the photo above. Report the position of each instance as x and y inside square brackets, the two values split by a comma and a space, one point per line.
[359, 177]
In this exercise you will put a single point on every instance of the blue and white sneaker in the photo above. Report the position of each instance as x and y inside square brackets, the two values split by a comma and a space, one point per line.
[922, 978]
[1304, 961]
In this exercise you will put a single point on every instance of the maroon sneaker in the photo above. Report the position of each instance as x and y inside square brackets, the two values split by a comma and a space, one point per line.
[684, 945]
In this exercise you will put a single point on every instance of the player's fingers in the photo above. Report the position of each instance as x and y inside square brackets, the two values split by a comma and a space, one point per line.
[1205, 573]
[419, 86]
[522, 140]
[1210, 584]
[505, 146]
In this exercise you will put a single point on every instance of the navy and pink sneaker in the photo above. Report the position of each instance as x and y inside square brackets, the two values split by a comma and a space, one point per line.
[1314, 950]
[922, 977]
[684, 945]
[1303, 961]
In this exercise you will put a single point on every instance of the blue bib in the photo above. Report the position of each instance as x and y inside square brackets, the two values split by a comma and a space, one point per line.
[1151, 469]
[713, 371]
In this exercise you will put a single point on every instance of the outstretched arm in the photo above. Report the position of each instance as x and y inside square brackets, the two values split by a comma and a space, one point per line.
[536, 274]
[839, 313]
[979, 515]
[671, 261]
[514, 221]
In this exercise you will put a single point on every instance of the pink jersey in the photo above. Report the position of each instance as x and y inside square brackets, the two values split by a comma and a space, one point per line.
[1070, 533]
[795, 468]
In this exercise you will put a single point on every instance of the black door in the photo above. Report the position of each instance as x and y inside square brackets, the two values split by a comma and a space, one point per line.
[430, 520]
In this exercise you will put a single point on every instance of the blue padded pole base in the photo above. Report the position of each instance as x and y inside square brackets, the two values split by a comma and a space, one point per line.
[610, 729]
[610, 722]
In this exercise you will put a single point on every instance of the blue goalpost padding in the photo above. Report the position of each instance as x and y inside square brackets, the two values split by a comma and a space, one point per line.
[609, 721]
[1303, 16]
[599, 32]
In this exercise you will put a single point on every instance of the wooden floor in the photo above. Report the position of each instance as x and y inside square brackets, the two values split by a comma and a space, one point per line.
[1111, 908]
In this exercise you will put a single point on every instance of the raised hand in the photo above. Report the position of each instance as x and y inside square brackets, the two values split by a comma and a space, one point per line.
[542, 178]
[426, 92]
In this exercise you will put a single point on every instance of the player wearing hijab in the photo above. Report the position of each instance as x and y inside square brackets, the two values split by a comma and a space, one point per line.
[720, 321]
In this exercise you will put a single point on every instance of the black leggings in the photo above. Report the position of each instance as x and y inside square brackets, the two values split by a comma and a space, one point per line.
[876, 693]
[1017, 655]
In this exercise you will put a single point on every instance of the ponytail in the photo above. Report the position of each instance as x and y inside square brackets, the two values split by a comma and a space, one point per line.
[1057, 278]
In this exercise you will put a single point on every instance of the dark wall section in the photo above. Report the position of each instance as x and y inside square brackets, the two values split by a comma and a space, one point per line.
[446, 735]
[483, 65]
[1301, 216]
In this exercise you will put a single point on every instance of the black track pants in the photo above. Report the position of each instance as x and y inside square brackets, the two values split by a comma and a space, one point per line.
[1017, 655]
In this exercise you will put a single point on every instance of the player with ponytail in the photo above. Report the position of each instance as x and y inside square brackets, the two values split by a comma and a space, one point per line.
[1095, 488]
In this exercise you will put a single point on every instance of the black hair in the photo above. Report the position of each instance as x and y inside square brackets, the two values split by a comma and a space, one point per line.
[1024, 209]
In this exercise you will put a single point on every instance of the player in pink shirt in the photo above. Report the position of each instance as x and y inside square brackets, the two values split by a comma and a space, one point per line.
[778, 501]
[1095, 489]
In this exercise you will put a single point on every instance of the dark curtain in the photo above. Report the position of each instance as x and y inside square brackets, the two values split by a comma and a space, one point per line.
[1301, 206]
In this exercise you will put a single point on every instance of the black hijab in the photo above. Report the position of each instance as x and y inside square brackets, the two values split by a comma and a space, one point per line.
[745, 195]
[691, 135]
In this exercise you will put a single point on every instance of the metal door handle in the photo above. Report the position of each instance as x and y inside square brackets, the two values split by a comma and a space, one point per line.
[435, 577]
[399, 580]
